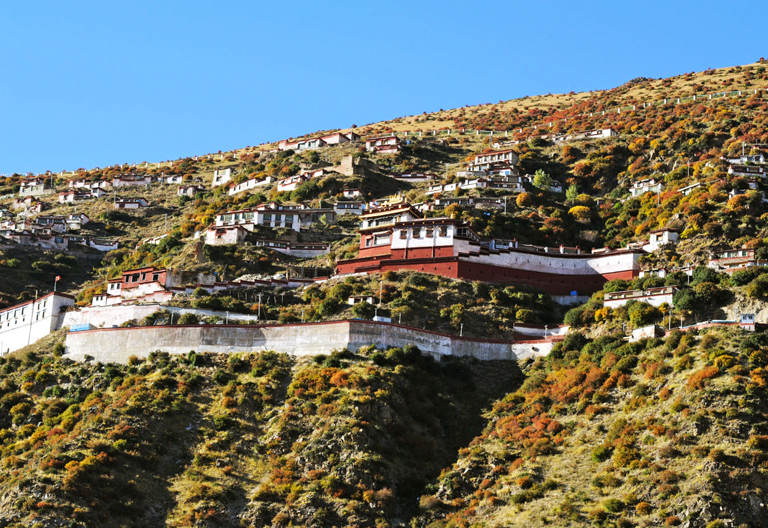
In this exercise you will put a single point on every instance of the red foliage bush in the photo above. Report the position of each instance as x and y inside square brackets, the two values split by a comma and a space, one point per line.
[699, 379]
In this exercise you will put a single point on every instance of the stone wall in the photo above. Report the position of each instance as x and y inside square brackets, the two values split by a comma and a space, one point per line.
[118, 344]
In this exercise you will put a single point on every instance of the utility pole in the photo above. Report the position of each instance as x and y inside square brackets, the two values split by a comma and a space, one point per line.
[381, 287]
[461, 330]
[258, 313]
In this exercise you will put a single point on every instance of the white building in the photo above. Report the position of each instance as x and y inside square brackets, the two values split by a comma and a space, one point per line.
[34, 187]
[643, 186]
[189, 190]
[220, 177]
[355, 208]
[295, 249]
[383, 144]
[25, 323]
[129, 180]
[490, 162]
[130, 203]
[248, 185]
[653, 296]
[685, 191]
[746, 170]
[751, 158]
[275, 216]
[291, 183]
[224, 235]
[661, 237]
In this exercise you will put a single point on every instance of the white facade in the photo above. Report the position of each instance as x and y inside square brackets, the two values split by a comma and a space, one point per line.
[220, 177]
[487, 160]
[641, 187]
[746, 170]
[661, 237]
[27, 322]
[296, 249]
[653, 296]
[248, 185]
[355, 208]
[290, 184]
[130, 203]
[34, 187]
[128, 181]
[383, 145]
[218, 236]
[602, 264]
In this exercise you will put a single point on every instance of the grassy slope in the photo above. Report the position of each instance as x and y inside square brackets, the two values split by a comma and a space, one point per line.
[254, 440]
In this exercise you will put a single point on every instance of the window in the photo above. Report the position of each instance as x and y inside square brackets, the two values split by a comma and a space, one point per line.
[155, 277]
[416, 232]
[403, 234]
[430, 232]
[367, 242]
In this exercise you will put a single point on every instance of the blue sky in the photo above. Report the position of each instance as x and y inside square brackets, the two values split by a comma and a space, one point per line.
[86, 84]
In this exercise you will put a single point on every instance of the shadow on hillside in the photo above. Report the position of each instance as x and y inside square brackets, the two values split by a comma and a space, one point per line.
[473, 386]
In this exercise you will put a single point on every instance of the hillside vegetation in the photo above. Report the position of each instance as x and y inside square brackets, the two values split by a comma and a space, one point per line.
[603, 432]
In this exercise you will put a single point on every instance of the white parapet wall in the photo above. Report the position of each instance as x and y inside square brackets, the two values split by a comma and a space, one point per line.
[118, 344]
[109, 316]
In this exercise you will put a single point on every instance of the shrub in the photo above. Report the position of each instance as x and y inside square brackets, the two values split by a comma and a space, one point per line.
[430, 502]
[699, 379]
[758, 442]
[613, 505]
[624, 455]
[643, 508]
[189, 319]
[601, 453]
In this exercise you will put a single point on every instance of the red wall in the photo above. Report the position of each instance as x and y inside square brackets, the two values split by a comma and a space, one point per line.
[412, 253]
[373, 251]
[452, 267]
[551, 283]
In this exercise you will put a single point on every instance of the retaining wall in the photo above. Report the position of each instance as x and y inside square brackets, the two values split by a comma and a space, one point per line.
[118, 344]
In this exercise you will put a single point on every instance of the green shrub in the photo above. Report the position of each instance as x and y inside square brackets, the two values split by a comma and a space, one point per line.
[601, 453]
[189, 319]
[613, 505]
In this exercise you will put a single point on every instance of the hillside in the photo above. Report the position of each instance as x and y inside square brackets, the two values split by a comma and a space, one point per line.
[604, 431]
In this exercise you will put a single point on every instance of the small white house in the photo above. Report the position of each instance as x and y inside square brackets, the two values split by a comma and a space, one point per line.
[130, 203]
[643, 186]
[661, 237]
[353, 207]
[220, 177]
[355, 299]
[225, 235]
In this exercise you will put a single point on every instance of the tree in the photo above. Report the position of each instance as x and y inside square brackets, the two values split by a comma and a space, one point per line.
[572, 193]
[542, 180]
[580, 213]
[704, 274]
[524, 200]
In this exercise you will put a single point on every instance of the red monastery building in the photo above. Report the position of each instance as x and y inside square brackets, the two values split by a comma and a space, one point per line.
[396, 237]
